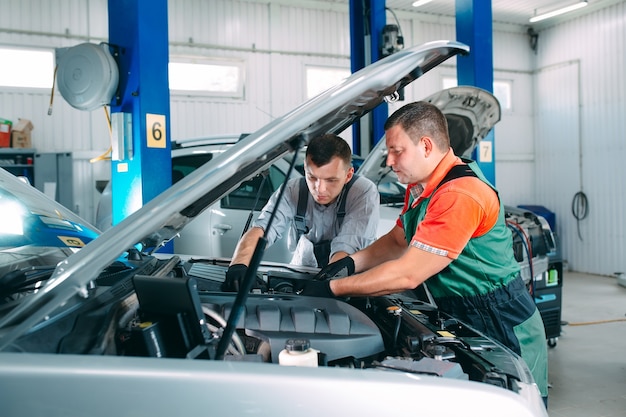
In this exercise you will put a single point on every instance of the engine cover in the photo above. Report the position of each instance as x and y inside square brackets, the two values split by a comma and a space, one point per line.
[335, 328]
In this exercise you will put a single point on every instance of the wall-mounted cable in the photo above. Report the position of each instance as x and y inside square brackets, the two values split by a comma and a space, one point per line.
[54, 79]
[580, 209]
[106, 156]
[392, 37]
[580, 204]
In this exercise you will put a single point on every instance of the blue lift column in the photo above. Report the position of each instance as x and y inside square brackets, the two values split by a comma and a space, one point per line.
[141, 158]
[474, 28]
[367, 20]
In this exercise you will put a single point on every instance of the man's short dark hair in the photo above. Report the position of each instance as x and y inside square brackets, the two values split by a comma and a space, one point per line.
[421, 119]
[324, 148]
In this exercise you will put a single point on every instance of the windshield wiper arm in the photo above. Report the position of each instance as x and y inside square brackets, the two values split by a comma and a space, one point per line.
[22, 280]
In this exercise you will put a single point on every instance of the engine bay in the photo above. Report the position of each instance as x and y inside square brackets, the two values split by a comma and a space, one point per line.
[175, 309]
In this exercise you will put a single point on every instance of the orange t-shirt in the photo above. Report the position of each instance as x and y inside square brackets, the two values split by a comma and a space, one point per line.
[460, 210]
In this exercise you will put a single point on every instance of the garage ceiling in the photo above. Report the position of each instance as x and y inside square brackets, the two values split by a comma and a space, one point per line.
[504, 11]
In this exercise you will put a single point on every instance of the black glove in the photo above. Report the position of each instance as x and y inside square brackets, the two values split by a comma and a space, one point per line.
[314, 288]
[333, 269]
[234, 277]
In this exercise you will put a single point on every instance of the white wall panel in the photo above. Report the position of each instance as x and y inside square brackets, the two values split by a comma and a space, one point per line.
[313, 31]
[42, 15]
[580, 142]
[514, 134]
[227, 24]
[511, 51]
[558, 169]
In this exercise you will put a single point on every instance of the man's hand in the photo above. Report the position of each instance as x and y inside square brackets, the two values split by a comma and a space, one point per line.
[333, 269]
[234, 277]
[314, 288]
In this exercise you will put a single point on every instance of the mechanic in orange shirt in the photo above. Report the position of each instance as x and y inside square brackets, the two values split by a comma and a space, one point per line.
[452, 232]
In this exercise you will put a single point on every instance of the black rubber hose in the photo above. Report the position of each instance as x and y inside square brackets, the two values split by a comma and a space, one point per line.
[580, 209]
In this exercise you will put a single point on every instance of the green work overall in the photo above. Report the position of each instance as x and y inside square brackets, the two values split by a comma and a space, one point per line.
[484, 289]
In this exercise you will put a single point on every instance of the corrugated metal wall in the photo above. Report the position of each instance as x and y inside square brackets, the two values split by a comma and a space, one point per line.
[62, 23]
[567, 99]
[580, 119]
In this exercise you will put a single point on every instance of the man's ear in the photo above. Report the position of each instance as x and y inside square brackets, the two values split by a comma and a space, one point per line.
[428, 145]
[349, 175]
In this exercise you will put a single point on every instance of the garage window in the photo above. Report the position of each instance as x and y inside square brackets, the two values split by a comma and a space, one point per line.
[26, 68]
[320, 79]
[206, 77]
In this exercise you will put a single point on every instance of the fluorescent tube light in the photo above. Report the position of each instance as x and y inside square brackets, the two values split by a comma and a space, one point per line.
[419, 3]
[557, 12]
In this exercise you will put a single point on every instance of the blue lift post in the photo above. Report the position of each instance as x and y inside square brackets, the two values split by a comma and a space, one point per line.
[367, 20]
[474, 28]
[141, 159]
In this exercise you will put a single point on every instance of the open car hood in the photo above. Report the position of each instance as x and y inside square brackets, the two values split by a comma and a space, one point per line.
[471, 113]
[163, 217]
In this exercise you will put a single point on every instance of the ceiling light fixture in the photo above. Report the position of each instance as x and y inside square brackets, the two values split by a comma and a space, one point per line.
[557, 12]
[419, 3]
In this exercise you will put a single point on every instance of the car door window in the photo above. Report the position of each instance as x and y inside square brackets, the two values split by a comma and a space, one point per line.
[248, 196]
[186, 164]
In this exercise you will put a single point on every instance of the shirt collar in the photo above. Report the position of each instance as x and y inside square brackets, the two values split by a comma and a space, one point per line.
[448, 161]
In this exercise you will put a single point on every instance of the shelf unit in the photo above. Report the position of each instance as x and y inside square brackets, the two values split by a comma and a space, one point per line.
[19, 162]
[51, 172]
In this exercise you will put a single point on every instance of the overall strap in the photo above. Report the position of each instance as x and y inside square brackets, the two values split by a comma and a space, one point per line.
[457, 171]
[341, 210]
[303, 198]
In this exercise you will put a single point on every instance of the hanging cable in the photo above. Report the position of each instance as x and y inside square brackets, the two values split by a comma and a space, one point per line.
[106, 155]
[54, 79]
[519, 230]
[580, 209]
[580, 205]
[401, 36]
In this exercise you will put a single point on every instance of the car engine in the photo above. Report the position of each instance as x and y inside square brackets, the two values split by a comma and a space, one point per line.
[175, 309]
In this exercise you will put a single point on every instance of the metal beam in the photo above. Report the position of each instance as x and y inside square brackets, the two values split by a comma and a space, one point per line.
[367, 20]
[474, 28]
[140, 112]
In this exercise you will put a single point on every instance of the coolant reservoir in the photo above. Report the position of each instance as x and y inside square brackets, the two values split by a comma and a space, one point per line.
[298, 352]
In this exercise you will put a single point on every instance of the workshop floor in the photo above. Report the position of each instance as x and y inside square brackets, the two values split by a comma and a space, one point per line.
[587, 367]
